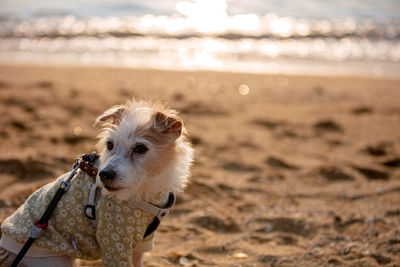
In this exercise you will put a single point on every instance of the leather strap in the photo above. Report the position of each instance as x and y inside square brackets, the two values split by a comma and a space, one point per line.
[87, 162]
[160, 213]
[91, 171]
[90, 208]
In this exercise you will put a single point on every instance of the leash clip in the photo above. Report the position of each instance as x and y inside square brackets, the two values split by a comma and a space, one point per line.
[67, 182]
[90, 212]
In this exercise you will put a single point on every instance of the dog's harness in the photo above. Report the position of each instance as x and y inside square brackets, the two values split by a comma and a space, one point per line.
[86, 164]
[157, 212]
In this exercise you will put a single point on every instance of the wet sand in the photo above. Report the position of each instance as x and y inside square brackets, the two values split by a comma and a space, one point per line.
[301, 171]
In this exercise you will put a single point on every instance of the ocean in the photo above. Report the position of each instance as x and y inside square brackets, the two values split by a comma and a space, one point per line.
[331, 37]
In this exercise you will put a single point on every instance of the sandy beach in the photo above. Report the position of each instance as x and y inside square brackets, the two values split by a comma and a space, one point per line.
[289, 170]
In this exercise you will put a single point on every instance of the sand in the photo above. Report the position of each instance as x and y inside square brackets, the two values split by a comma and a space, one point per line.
[301, 171]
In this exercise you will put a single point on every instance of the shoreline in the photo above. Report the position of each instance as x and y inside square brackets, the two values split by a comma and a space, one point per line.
[324, 74]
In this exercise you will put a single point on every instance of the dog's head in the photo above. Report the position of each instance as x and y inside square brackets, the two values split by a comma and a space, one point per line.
[143, 150]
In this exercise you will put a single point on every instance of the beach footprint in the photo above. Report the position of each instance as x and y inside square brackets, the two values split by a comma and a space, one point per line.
[334, 174]
[199, 108]
[26, 169]
[377, 150]
[279, 163]
[216, 224]
[44, 84]
[328, 125]
[239, 167]
[269, 124]
[286, 225]
[372, 174]
[362, 110]
[392, 163]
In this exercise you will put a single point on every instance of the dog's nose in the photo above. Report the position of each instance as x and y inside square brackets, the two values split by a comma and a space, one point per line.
[106, 175]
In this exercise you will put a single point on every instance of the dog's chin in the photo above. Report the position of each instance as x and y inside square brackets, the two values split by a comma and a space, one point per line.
[112, 188]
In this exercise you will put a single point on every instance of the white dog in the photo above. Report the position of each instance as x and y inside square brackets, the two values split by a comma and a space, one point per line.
[144, 159]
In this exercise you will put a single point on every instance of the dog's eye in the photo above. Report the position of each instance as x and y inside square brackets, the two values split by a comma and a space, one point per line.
[140, 149]
[110, 145]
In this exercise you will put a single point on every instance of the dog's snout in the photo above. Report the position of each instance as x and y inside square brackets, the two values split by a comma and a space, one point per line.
[106, 175]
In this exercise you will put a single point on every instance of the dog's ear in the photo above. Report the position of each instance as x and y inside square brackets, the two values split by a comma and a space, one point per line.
[114, 114]
[168, 125]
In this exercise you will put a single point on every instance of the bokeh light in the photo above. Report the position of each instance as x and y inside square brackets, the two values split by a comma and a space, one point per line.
[244, 89]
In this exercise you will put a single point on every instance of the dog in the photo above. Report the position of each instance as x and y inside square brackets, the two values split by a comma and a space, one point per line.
[145, 157]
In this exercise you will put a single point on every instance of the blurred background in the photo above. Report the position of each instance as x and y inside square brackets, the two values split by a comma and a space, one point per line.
[263, 36]
[292, 108]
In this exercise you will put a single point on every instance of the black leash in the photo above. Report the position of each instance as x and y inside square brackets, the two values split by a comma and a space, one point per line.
[40, 225]
[85, 163]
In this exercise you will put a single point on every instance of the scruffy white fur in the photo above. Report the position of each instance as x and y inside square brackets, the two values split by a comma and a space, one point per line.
[143, 151]
[163, 167]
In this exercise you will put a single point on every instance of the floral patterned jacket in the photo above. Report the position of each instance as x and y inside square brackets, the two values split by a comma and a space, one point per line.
[118, 227]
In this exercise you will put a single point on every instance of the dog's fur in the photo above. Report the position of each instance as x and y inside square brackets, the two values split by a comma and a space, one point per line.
[145, 148]
[163, 167]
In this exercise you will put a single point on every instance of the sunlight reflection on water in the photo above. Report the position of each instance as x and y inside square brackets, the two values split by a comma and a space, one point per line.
[202, 35]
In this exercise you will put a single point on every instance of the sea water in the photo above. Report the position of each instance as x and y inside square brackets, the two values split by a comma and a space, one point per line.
[336, 37]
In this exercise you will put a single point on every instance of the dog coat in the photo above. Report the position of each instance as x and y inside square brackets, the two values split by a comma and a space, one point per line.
[118, 227]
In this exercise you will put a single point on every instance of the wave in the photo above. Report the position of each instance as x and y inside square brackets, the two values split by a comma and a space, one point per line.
[215, 48]
[237, 43]
[179, 27]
